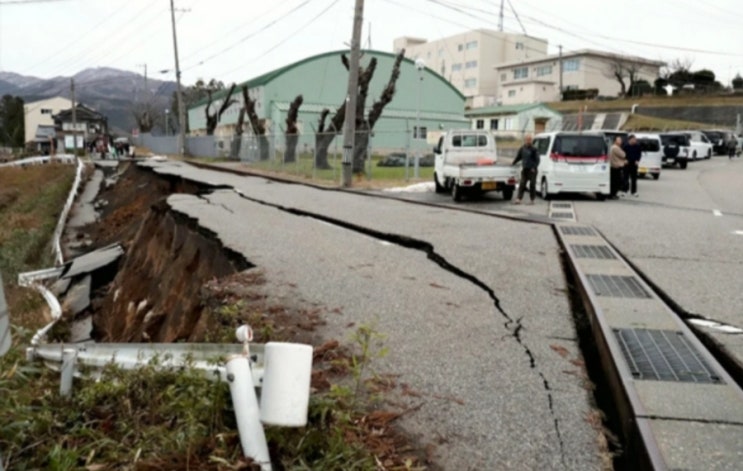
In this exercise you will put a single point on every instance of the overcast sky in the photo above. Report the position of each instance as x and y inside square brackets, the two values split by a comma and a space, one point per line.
[234, 40]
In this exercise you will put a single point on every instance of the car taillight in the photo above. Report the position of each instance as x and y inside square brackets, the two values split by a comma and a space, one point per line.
[512, 181]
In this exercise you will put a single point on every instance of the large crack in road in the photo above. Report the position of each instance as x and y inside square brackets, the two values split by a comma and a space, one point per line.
[513, 325]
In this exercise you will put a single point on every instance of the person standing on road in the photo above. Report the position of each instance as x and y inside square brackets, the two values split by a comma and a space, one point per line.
[732, 145]
[529, 158]
[633, 153]
[617, 160]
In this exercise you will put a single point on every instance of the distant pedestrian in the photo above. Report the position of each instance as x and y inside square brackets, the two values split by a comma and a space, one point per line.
[529, 158]
[732, 145]
[633, 153]
[618, 159]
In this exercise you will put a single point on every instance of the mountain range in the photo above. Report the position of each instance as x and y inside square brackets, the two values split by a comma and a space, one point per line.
[107, 90]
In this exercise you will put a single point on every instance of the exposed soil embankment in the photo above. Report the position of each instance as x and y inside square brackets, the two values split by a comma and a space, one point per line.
[156, 294]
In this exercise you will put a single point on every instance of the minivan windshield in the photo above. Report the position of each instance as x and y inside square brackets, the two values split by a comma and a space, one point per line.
[649, 145]
[677, 139]
[579, 146]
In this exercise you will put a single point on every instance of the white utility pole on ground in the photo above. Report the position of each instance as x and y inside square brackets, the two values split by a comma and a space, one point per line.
[349, 127]
[74, 117]
[181, 105]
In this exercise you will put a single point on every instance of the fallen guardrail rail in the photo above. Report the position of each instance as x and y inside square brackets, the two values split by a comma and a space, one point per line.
[282, 370]
[56, 239]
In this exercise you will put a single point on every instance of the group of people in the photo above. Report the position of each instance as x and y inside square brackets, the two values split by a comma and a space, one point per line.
[624, 161]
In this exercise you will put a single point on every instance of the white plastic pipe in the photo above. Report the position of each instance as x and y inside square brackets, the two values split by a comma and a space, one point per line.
[286, 384]
[247, 413]
[69, 356]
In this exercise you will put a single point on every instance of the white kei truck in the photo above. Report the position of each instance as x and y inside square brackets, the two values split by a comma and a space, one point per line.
[466, 164]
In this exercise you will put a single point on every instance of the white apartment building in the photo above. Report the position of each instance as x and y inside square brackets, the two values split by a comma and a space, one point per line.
[468, 60]
[39, 113]
[538, 80]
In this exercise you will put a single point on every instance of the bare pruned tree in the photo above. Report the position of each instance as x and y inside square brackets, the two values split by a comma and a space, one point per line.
[324, 135]
[258, 125]
[212, 119]
[238, 135]
[146, 114]
[292, 131]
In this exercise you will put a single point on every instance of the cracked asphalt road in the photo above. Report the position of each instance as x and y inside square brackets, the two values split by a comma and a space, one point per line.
[494, 388]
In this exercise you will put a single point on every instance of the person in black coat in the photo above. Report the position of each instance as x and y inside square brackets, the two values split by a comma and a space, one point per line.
[633, 150]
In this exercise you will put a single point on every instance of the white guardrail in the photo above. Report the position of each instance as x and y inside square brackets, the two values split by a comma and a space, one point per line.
[62, 158]
[57, 245]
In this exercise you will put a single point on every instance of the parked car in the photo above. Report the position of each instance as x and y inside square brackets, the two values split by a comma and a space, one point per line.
[652, 154]
[701, 146]
[676, 149]
[572, 162]
[395, 159]
[719, 140]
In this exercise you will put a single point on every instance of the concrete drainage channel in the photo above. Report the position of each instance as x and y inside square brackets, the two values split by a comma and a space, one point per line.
[676, 406]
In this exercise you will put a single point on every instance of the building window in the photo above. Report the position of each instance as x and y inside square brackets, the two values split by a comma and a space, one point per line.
[493, 124]
[460, 47]
[480, 124]
[456, 67]
[520, 73]
[544, 70]
[420, 132]
[571, 65]
[470, 83]
[441, 53]
[511, 93]
[428, 55]
[519, 46]
[46, 111]
[472, 45]
[443, 68]
[470, 65]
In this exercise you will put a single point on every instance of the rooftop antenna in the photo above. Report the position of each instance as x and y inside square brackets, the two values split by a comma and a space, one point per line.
[500, 16]
[516, 15]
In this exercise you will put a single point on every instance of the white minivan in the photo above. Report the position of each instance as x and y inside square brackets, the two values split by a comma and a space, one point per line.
[572, 162]
[652, 155]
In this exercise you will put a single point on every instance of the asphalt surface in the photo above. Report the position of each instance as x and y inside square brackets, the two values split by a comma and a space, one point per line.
[494, 388]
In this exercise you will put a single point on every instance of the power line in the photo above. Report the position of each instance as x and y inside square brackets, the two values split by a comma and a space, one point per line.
[249, 36]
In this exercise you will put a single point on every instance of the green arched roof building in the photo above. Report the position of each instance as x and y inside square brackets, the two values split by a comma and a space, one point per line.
[323, 80]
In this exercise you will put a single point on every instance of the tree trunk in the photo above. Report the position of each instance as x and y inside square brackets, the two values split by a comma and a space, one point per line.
[292, 132]
[322, 144]
[290, 155]
[360, 148]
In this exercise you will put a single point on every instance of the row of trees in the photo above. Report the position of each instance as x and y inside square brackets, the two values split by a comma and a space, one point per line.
[328, 126]
[12, 133]
[678, 74]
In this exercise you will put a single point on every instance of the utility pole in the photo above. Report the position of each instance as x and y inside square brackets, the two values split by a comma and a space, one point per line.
[559, 61]
[74, 117]
[145, 78]
[181, 105]
[349, 127]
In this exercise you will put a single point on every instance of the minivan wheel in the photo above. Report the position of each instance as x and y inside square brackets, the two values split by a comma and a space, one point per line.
[694, 155]
[709, 153]
[683, 164]
[544, 190]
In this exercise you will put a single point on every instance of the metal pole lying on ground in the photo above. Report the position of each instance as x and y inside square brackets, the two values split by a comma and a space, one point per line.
[247, 412]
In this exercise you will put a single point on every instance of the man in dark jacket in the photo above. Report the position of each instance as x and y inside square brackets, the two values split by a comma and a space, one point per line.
[633, 150]
[529, 158]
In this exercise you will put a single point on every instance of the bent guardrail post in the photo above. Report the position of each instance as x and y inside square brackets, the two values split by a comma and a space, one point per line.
[67, 370]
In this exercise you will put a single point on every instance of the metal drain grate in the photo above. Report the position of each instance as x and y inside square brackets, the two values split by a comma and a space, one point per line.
[663, 355]
[562, 205]
[617, 286]
[592, 251]
[577, 230]
[562, 215]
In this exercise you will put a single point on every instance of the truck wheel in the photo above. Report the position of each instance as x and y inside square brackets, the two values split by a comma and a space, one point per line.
[439, 188]
[544, 190]
[683, 164]
[456, 193]
[508, 193]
